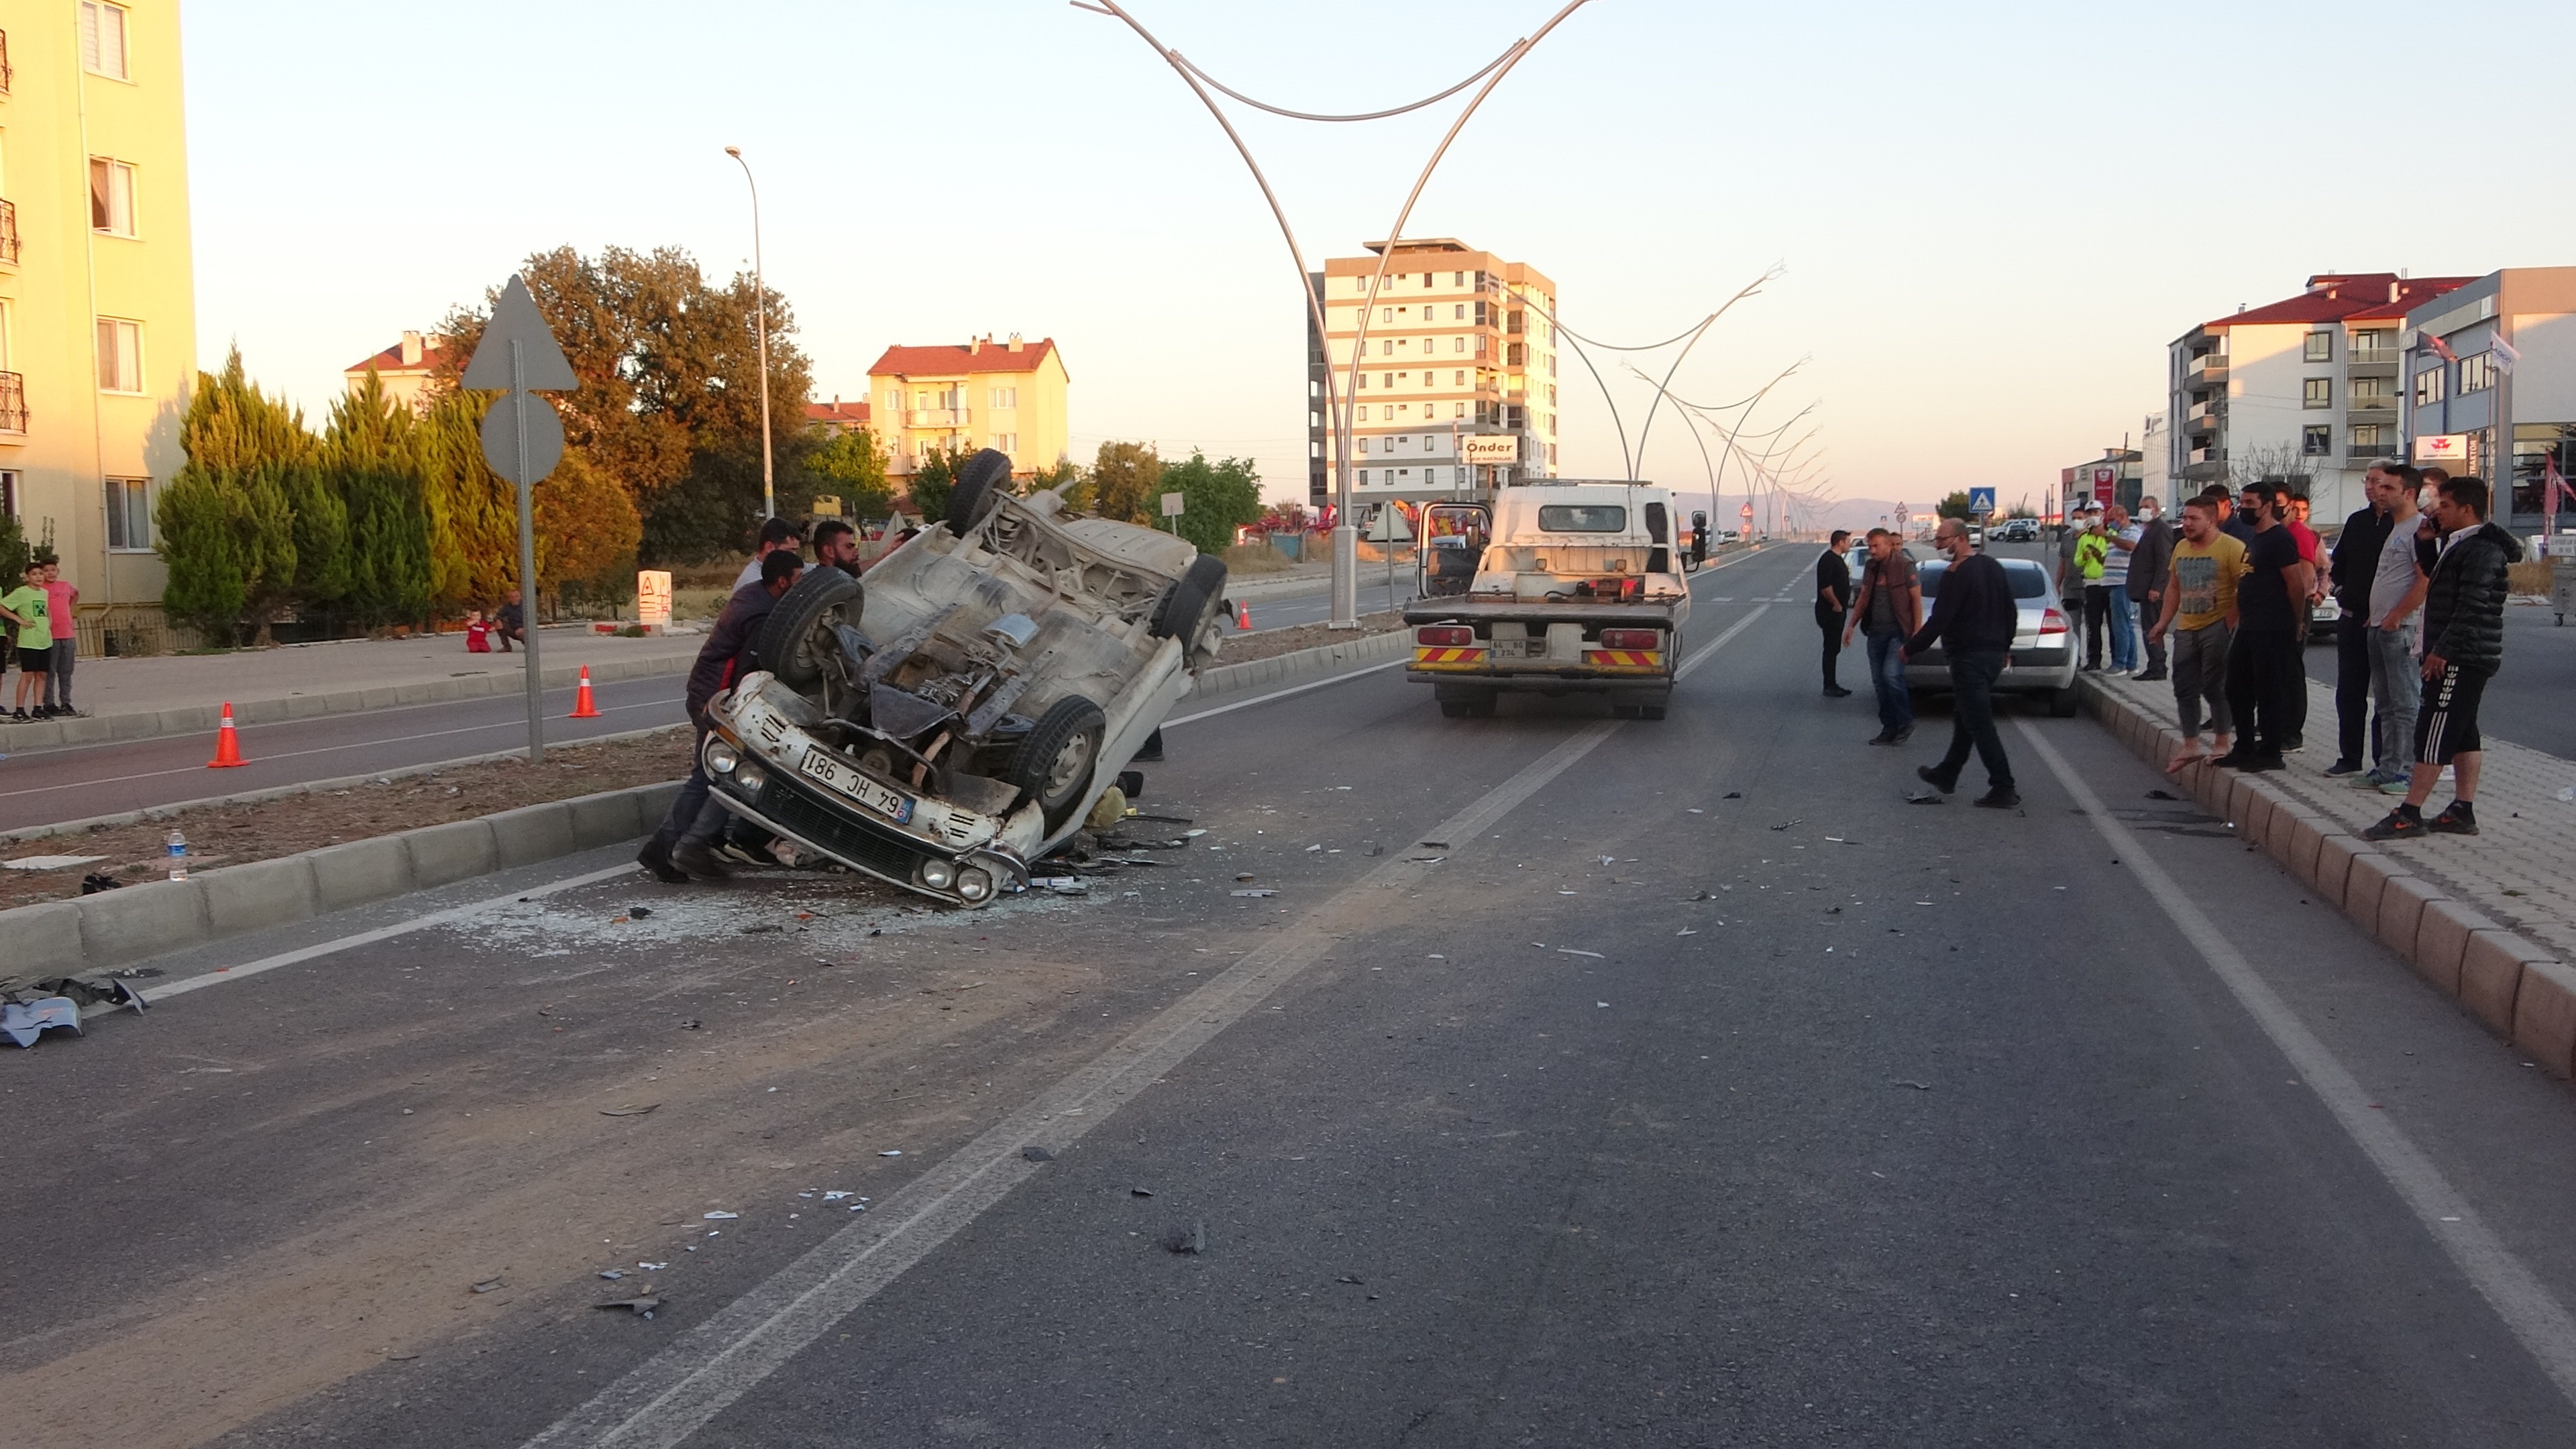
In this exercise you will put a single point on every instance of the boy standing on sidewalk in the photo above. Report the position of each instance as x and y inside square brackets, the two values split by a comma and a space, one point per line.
[2463, 646]
[62, 603]
[25, 606]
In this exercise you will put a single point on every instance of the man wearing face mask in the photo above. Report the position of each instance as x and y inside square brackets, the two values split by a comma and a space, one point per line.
[2150, 557]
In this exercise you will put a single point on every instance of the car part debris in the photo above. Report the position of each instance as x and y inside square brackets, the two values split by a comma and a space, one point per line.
[1185, 1238]
[488, 1285]
[613, 1274]
[1035, 1153]
[1140, 1192]
[1257, 894]
[718, 1217]
[1925, 797]
[891, 1152]
[640, 1307]
[99, 880]
[637, 1110]
[23, 1022]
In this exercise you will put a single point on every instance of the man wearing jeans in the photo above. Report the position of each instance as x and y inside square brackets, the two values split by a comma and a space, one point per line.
[61, 600]
[1973, 621]
[2397, 589]
[2356, 562]
[1890, 608]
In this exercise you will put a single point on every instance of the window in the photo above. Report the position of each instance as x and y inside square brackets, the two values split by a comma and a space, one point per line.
[2317, 392]
[1007, 442]
[1364, 477]
[894, 402]
[2428, 386]
[1459, 280]
[2370, 392]
[129, 515]
[2477, 372]
[1457, 344]
[1006, 397]
[2376, 344]
[1458, 410]
[9, 493]
[111, 196]
[1582, 518]
[1386, 314]
[102, 39]
[2320, 347]
[2371, 437]
[1516, 354]
[1386, 347]
[120, 355]
[2316, 442]
[1363, 412]
[1386, 379]
[1363, 447]
[1462, 378]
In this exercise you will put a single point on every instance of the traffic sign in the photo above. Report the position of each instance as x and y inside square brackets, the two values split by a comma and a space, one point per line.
[1746, 512]
[522, 439]
[1172, 504]
[1981, 501]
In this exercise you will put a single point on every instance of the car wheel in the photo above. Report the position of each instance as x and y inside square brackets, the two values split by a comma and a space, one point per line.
[1056, 759]
[788, 641]
[2065, 702]
[1185, 611]
[982, 483]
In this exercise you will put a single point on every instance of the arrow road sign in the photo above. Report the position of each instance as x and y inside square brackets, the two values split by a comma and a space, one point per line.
[515, 319]
[522, 440]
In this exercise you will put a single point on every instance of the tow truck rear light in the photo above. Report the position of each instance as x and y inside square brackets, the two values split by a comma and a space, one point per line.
[1444, 636]
[1631, 639]
[2051, 622]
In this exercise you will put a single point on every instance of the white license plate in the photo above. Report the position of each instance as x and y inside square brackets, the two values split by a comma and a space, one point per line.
[1510, 649]
[887, 801]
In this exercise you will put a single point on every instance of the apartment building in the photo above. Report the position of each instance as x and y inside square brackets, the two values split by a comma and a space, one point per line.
[98, 327]
[403, 370]
[977, 394]
[2302, 391]
[2490, 372]
[1459, 388]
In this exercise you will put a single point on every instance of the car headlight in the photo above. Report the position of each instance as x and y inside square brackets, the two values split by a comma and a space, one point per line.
[721, 757]
[939, 875]
[973, 884]
[748, 779]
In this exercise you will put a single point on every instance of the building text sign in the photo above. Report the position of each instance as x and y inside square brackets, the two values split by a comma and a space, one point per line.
[1493, 449]
[2442, 448]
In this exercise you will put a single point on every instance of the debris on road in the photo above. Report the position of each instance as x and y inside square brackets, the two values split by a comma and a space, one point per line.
[23, 1022]
[639, 913]
[1258, 895]
[488, 1285]
[1924, 797]
[891, 1152]
[612, 1274]
[1185, 1238]
[640, 1307]
[632, 1110]
[1035, 1153]
[1435, 845]
[1785, 824]
[1426, 859]
[1570, 951]
[718, 1217]
[1140, 1192]
[1918, 1086]
[1732, 795]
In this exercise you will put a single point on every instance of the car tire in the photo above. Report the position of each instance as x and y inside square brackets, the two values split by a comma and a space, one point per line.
[981, 484]
[2065, 702]
[787, 639]
[1056, 760]
[1187, 608]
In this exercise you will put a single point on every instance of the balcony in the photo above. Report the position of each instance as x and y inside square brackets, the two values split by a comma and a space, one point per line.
[936, 417]
[2204, 417]
[2371, 358]
[2206, 371]
[2371, 452]
[13, 404]
[2374, 404]
[8, 233]
[2205, 464]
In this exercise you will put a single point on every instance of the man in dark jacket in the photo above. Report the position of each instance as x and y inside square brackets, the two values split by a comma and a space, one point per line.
[1833, 604]
[2150, 557]
[681, 850]
[2463, 647]
[2356, 561]
[1973, 617]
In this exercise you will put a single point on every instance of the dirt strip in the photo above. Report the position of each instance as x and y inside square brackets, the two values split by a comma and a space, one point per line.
[1270, 643]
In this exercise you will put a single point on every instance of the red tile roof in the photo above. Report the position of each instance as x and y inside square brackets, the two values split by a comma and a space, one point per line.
[390, 360]
[838, 413]
[2344, 297]
[958, 358]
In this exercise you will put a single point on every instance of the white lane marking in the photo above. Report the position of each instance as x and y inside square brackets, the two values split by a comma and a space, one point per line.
[2528, 1308]
[1393, 663]
[1719, 642]
[382, 933]
[663, 1401]
[516, 724]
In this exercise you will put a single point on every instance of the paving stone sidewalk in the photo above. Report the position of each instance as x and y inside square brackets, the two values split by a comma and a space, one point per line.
[2521, 866]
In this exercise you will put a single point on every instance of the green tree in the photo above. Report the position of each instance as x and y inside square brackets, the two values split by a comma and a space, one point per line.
[373, 456]
[198, 538]
[1058, 474]
[231, 537]
[587, 532]
[854, 467]
[1216, 499]
[1954, 506]
[1126, 482]
[473, 515]
[320, 533]
[934, 479]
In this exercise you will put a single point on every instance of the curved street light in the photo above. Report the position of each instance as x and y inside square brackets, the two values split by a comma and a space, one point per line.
[760, 298]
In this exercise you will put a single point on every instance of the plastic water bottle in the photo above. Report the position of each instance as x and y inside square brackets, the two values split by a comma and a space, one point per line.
[178, 856]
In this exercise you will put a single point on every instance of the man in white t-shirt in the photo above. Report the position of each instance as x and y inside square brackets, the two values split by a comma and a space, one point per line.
[2397, 592]
[776, 534]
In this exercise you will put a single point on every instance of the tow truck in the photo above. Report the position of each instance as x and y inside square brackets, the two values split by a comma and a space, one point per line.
[1551, 588]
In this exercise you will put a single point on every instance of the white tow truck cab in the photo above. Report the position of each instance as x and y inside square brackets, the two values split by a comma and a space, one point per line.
[1551, 588]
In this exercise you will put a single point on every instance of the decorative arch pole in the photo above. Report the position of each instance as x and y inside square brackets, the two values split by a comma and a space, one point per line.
[1337, 402]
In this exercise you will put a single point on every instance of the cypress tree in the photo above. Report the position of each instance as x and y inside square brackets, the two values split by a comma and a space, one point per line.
[371, 454]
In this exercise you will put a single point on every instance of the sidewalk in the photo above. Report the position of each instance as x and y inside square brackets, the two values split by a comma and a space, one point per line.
[129, 699]
[2519, 869]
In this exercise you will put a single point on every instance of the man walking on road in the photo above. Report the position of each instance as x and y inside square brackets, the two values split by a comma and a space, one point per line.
[2396, 591]
[1973, 621]
[2200, 608]
[1833, 604]
[1889, 610]
[681, 850]
[2263, 661]
[2463, 646]
[2150, 553]
[2355, 563]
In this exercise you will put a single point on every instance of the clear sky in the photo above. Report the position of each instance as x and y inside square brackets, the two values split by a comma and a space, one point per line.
[1992, 217]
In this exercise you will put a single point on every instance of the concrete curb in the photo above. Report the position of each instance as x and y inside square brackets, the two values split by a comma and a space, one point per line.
[316, 787]
[115, 927]
[201, 719]
[1301, 665]
[2516, 989]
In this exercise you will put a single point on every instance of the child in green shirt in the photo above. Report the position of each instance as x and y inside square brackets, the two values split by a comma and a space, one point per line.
[24, 607]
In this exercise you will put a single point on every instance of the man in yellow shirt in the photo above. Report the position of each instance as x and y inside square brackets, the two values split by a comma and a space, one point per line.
[2200, 609]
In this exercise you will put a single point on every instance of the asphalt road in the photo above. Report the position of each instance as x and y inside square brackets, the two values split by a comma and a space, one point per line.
[1315, 606]
[43, 787]
[1649, 1083]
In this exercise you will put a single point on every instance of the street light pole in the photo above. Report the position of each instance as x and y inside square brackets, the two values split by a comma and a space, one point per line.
[760, 299]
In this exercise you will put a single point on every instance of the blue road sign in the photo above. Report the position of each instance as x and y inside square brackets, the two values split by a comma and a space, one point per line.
[1981, 500]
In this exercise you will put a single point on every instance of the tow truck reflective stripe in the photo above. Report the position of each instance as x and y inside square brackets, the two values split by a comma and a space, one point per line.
[1625, 658]
[1427, 655]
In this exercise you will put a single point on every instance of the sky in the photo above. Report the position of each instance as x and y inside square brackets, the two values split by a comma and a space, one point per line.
[1990, 219]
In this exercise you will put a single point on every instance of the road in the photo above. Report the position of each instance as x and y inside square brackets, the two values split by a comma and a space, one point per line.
[46, 786]
[1315, 605]
[1667, 1083]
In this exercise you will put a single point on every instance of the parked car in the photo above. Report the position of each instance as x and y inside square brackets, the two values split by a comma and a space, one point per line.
[2325, 618]
[2043, 659]
[2018, 530]
[959, 713]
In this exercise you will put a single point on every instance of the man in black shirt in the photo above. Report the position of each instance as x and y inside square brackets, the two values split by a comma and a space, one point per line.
[2356, 561]
[2263, 663]
[1833, 604]
[681, 849]
[2150, 558]
[1973, 618]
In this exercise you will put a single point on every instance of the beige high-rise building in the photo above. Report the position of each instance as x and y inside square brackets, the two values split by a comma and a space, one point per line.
[98, 322]
[1459, 347]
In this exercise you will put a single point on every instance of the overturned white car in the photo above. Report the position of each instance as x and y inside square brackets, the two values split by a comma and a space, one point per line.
[959, 713]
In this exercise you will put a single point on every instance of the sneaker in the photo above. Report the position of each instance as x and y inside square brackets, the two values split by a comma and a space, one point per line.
[21, 716]
[1934, 778]
[2344, 767]
[2150, 676]
[2397, 786]
[2403, 823]
[2258, 764]
[1903, 735]
[2000, 797]
[1883, 737]
[1836, 691]
[2457, 818]
[656, 858]
[700, 862]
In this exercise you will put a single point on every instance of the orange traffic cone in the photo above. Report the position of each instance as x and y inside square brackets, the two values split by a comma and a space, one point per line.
[582, 707]
[227, 744]
[1242, 614]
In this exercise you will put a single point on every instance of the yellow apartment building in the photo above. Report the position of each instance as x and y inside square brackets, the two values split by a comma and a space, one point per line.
[1460, 348]
[979, 394]
[98, 320]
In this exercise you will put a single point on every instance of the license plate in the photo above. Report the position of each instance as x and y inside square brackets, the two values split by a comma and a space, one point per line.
[1511, 649]
[887, 801]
